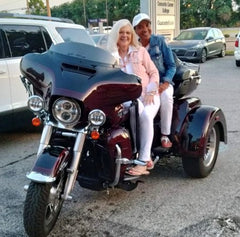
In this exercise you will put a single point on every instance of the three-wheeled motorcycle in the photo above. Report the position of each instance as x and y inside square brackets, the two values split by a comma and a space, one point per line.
[77, 91]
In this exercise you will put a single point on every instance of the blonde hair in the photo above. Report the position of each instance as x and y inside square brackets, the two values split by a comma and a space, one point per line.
[114, 34]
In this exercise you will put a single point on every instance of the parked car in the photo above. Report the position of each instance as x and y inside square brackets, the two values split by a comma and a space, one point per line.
[19, 37]
[104, 30]
[237, 50]
[197, 44]
[100, 40]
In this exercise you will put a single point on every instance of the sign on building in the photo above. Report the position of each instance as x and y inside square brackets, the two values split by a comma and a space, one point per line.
[165, 16]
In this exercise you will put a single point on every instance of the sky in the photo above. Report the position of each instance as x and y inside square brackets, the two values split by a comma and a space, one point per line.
[19, 6]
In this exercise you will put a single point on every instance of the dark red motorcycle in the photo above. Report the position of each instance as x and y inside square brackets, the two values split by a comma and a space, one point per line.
[77, 92]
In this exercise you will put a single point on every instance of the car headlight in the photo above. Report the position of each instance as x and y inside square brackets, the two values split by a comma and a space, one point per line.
[35, 103]
[66, 111]
[97, 117]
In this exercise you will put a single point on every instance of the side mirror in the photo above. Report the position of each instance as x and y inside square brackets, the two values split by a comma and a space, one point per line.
[209, 38]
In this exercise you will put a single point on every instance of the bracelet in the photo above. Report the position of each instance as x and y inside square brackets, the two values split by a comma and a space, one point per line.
[151, 93]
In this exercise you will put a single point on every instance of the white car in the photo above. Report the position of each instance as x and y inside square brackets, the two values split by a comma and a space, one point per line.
[237, 50]
[19, 37]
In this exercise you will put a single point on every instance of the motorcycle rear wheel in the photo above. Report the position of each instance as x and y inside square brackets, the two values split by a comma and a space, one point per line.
[201, 167]
[42, 207]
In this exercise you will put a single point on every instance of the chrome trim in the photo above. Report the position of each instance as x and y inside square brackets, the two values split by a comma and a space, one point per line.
[125, 161]
[26, 187]
[73, 169]
[39, 178]
[35, 99]
[118, 161]
[69, 134]
[97, 117]
[45, 138]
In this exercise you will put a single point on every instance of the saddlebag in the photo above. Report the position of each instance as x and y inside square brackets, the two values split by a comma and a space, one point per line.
[186, 78]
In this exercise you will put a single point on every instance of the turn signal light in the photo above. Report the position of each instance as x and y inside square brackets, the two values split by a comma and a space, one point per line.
[36, 122]
[95, 135]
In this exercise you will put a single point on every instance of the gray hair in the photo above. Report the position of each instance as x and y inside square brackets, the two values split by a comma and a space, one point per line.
[114, 34]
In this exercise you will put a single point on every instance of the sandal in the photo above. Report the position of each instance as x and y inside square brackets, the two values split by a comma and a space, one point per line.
[150, 165]
[166, 142]
[138, 170]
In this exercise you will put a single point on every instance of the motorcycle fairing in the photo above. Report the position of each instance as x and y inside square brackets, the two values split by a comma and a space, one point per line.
[80, 71]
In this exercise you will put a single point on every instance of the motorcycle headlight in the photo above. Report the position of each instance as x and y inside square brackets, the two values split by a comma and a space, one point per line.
[35, 103]
[66, 111]
[97, 117]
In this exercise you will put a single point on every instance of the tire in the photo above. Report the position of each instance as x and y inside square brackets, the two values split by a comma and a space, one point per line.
[238, 63]
[223, 52]
[203, 58]
[201, 167]
[42, 207]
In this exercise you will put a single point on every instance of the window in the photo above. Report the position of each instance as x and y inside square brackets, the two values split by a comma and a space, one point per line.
[4, 48]
[210, 34]
[74, 35]
[25, 39]
[1, 46]
[47, 37]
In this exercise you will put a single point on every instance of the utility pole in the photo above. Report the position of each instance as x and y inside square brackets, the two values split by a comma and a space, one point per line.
[27, 11]
[107, 11]
[84, 13]
[48, 8]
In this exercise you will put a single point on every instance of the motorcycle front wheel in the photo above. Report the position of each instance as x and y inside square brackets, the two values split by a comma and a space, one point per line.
[42, 206]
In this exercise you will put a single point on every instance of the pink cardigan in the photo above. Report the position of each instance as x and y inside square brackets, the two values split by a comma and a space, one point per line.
[142, 66]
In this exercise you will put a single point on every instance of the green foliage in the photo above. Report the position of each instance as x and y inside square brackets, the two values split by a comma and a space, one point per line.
[207, 13]
[112, 10]
[36, 7]
[193, 12]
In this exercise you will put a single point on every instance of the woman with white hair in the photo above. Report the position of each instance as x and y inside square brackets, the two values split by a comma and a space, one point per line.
[134, 59]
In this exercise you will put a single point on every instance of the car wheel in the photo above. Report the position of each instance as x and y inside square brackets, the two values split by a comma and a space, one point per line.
[238, 63]
[203, 56]
[223, 52]
[201, 167]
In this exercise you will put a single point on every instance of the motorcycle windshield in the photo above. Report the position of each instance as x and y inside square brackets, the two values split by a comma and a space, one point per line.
[80, 71]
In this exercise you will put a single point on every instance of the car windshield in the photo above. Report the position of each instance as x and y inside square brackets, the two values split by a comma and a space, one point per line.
[75, 35]
[96, 38]
[192, 35]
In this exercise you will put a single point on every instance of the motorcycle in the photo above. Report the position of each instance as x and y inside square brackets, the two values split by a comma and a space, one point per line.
[77, 91]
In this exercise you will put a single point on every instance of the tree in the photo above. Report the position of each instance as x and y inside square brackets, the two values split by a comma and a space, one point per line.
[111, 10]
[207, 13]
[36, 7]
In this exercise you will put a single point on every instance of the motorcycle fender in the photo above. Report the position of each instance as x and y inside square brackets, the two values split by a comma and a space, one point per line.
[197, 123]
[48, 165]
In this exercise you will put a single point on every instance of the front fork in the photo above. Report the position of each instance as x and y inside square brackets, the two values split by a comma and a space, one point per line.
[72, 170]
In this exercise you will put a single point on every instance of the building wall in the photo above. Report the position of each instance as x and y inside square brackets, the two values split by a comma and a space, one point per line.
[165, 16]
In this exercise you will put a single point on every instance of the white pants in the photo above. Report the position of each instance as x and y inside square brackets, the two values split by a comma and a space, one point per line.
[166, 108]
[146, 117]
